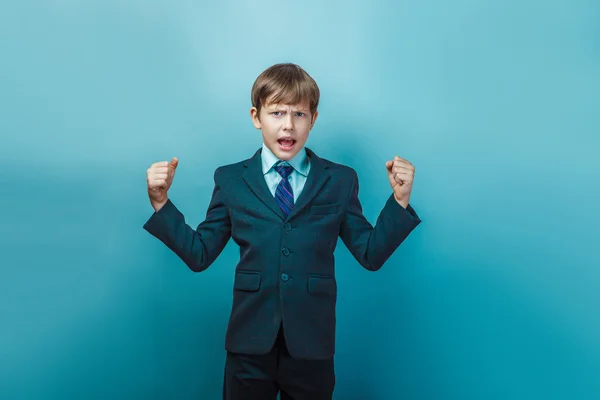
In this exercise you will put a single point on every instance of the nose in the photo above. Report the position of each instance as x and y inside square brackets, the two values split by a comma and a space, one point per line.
[288, 123]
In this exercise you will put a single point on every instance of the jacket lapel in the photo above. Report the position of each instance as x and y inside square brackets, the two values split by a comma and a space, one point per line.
[317, 177]
[255, 179]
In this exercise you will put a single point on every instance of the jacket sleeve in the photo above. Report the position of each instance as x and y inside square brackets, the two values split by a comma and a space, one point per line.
[200, 247]
[372, 246]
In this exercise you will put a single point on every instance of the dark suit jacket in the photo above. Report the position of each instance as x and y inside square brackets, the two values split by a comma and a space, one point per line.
[286, 268]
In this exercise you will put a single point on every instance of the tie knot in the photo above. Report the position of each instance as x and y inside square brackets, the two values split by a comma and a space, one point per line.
[284, 170]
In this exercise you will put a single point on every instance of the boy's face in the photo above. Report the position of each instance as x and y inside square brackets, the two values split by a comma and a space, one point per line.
[284, 127]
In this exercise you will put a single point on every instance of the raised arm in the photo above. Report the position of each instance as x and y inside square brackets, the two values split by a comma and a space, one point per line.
[198, 248]
[372, 245]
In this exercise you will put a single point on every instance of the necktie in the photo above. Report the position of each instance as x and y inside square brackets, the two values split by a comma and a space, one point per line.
[283, 194]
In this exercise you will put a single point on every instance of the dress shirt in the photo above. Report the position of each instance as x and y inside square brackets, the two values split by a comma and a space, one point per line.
[297, 179]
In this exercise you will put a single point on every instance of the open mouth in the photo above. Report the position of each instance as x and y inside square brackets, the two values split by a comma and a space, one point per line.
[286, 143]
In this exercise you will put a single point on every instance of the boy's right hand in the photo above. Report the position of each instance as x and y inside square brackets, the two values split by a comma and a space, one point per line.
[160, 177]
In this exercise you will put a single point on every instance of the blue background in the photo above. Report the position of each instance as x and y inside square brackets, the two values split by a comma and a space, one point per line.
[494, 296]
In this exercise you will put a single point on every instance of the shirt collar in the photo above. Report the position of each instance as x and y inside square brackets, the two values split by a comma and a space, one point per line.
[299, 162]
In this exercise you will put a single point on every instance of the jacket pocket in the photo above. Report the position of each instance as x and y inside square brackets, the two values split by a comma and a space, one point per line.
[324, 209]
[247, 281]
[318, 284]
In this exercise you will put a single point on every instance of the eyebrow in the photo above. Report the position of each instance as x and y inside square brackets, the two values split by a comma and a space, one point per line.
[283, 109]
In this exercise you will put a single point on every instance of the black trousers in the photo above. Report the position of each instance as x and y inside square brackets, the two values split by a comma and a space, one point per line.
[261, 377]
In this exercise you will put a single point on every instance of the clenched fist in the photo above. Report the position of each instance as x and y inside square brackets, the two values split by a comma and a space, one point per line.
[160, 177]
[401, 174]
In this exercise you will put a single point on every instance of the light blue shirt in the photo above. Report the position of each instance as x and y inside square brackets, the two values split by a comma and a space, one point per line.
[297, 178]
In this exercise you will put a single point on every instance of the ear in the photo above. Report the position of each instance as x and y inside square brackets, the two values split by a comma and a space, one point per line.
[314, 119]
[255, 117]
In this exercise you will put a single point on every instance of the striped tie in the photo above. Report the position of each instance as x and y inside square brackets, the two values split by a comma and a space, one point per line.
[283, 194]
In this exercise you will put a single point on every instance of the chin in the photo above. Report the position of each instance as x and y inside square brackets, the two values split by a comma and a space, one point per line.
[284, 156]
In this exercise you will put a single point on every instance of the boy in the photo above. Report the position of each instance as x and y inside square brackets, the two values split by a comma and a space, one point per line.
[285, 207]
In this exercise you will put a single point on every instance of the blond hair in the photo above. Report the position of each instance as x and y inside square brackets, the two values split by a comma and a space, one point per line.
[285, 84]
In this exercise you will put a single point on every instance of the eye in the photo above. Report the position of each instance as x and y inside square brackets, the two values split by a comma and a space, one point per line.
[276, 113]
[300, 114]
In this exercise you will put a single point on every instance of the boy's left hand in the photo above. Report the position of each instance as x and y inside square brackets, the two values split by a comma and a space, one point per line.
[401, 174]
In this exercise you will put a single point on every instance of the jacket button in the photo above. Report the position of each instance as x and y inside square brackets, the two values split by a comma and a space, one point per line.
[287, 226]
[285, 251]
[285, 277]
